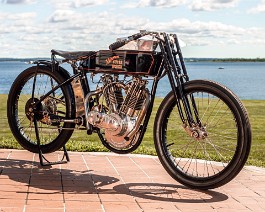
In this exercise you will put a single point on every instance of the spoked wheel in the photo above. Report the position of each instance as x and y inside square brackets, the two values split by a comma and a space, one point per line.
[27, 89]
[212, 151]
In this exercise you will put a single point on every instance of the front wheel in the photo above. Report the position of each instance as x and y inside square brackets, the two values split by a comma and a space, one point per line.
[212, 152]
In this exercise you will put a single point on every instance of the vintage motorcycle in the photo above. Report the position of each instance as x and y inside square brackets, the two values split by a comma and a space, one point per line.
[202, 132]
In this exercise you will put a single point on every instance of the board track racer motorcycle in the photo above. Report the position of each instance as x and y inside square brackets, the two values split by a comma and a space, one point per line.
[202, 132]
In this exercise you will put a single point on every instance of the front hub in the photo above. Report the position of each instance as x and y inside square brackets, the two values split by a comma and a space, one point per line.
[199, 133]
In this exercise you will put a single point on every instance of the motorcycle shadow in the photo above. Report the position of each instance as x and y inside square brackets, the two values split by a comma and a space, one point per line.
[56, 179]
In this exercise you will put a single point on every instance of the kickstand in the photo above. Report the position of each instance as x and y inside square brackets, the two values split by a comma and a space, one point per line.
[43, 160]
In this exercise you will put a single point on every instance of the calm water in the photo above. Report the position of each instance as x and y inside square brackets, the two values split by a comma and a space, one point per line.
[247, 80]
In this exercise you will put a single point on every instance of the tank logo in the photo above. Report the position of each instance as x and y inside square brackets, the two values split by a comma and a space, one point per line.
[111, 59]
[115, 62]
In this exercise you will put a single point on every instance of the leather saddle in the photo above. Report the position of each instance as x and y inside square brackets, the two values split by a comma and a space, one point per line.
[76, 55]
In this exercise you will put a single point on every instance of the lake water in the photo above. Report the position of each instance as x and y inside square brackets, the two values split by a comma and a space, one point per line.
[246, 79]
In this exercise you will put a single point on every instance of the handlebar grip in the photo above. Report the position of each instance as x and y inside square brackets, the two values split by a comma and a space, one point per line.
[136, 36]
[121, 43]
[117, 44]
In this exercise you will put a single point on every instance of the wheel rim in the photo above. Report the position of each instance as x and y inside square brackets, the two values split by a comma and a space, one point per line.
[206, 155]
[49, 109]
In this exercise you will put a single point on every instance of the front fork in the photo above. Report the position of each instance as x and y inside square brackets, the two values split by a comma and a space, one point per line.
[177, 77]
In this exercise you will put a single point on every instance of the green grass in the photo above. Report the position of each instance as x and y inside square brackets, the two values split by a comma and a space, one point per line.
[80, 141]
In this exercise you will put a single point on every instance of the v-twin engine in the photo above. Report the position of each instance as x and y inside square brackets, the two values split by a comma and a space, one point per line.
[126, 106]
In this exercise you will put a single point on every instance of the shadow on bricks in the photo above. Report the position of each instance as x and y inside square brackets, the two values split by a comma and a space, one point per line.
[57, 179]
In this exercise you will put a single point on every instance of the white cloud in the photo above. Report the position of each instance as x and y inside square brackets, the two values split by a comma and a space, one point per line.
[16, 22]
[79, 28]
[62, 16]
[71, 29]
[195, 5]
[211, 5]
[258, 9]
[199, 28]
[85, 3]
[17, 16]
[63, 4]
[22, 16]
[154, 3]
[18, 1]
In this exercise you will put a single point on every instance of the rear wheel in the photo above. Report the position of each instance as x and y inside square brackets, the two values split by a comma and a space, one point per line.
[53, 134]
[207, 154]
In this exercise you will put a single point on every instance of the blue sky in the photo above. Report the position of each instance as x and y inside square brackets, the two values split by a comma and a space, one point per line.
[210, 28]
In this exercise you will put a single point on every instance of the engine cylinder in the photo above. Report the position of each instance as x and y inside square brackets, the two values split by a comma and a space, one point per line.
[135, 97]
[122, 116]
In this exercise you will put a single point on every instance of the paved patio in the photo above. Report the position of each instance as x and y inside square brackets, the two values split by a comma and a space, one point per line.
[110, 182]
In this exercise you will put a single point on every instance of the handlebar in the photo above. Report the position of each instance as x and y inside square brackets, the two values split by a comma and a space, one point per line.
[117, 44]
[121, 43]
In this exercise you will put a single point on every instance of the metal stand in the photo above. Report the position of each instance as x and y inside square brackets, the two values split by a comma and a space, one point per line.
[44, 161]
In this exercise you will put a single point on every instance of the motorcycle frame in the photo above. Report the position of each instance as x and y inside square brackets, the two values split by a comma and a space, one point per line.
[174, 67]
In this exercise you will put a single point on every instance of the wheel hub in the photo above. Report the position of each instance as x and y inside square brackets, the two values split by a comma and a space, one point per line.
[31, 110]
[199, 133]
[44, 111]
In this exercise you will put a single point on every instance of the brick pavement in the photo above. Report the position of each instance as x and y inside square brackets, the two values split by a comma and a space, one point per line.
[110, 182]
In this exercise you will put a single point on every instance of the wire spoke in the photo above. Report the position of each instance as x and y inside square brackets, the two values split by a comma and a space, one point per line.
[52, 105]
[203, 157]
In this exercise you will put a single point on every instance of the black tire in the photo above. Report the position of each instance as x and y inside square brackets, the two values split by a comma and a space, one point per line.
[215, 159]
[58, 104]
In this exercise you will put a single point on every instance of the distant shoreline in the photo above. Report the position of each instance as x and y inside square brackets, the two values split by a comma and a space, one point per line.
[225, 59]
[21, 59]
[186, 59]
